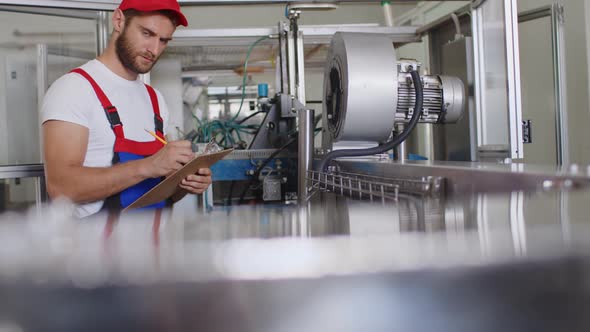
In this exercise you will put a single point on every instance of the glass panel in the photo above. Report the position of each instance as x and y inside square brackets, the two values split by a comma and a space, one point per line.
[69, 43]
[496, 88]
[35, 50]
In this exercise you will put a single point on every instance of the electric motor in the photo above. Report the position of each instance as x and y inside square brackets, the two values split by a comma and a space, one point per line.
[367, 90]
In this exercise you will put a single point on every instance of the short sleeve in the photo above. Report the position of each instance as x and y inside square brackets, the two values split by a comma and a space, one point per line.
[68, 99]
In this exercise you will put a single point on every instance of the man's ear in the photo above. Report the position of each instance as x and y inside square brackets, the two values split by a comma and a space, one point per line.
[118, 20]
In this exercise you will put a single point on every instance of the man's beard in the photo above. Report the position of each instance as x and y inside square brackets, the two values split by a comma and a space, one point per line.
[128, 57]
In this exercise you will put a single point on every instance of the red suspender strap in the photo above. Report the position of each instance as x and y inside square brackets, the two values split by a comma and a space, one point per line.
[158, 122]
[110, 110]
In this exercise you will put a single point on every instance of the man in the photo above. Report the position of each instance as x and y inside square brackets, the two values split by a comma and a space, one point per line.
[98, 152]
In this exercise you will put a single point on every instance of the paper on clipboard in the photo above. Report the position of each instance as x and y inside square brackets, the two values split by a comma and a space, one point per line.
[169, 185]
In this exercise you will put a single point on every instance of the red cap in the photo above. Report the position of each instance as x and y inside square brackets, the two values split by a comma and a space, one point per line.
[155, 5]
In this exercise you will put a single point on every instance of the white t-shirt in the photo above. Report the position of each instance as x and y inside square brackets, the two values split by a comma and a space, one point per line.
[72, 99]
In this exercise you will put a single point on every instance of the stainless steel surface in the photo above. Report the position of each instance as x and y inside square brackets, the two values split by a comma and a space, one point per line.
[300, 51]
[291, 60]
[360, 87]
[468, 178]
[401, 151]
[305, 151]
[266, 242]
[332, 264]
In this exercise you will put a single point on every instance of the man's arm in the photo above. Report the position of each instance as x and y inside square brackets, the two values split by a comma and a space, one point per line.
[65, 146]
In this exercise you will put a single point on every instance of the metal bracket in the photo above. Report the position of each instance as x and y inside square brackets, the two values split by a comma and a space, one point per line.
[527, 132]
[289, 106]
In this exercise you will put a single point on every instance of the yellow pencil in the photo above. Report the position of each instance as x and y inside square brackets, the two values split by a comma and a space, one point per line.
[156, 136]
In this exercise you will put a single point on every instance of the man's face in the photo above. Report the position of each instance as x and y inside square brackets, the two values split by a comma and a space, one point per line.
[143, 40]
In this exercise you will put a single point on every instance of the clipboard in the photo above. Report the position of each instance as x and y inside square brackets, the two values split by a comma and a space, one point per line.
[169, 185]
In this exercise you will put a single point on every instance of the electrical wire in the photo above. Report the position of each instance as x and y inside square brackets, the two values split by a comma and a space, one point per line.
[246, 74]
[212, 129]
[249, 117]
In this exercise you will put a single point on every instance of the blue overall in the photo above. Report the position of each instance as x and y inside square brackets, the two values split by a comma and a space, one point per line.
[127, 150]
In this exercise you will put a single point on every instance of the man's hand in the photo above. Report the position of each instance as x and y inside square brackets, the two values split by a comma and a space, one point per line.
[169, 159]
[198, 183]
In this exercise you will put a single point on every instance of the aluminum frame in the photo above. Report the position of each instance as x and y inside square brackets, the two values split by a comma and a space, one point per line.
[514, 91]
[36, 171]
[514, 97]
[556, 14]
